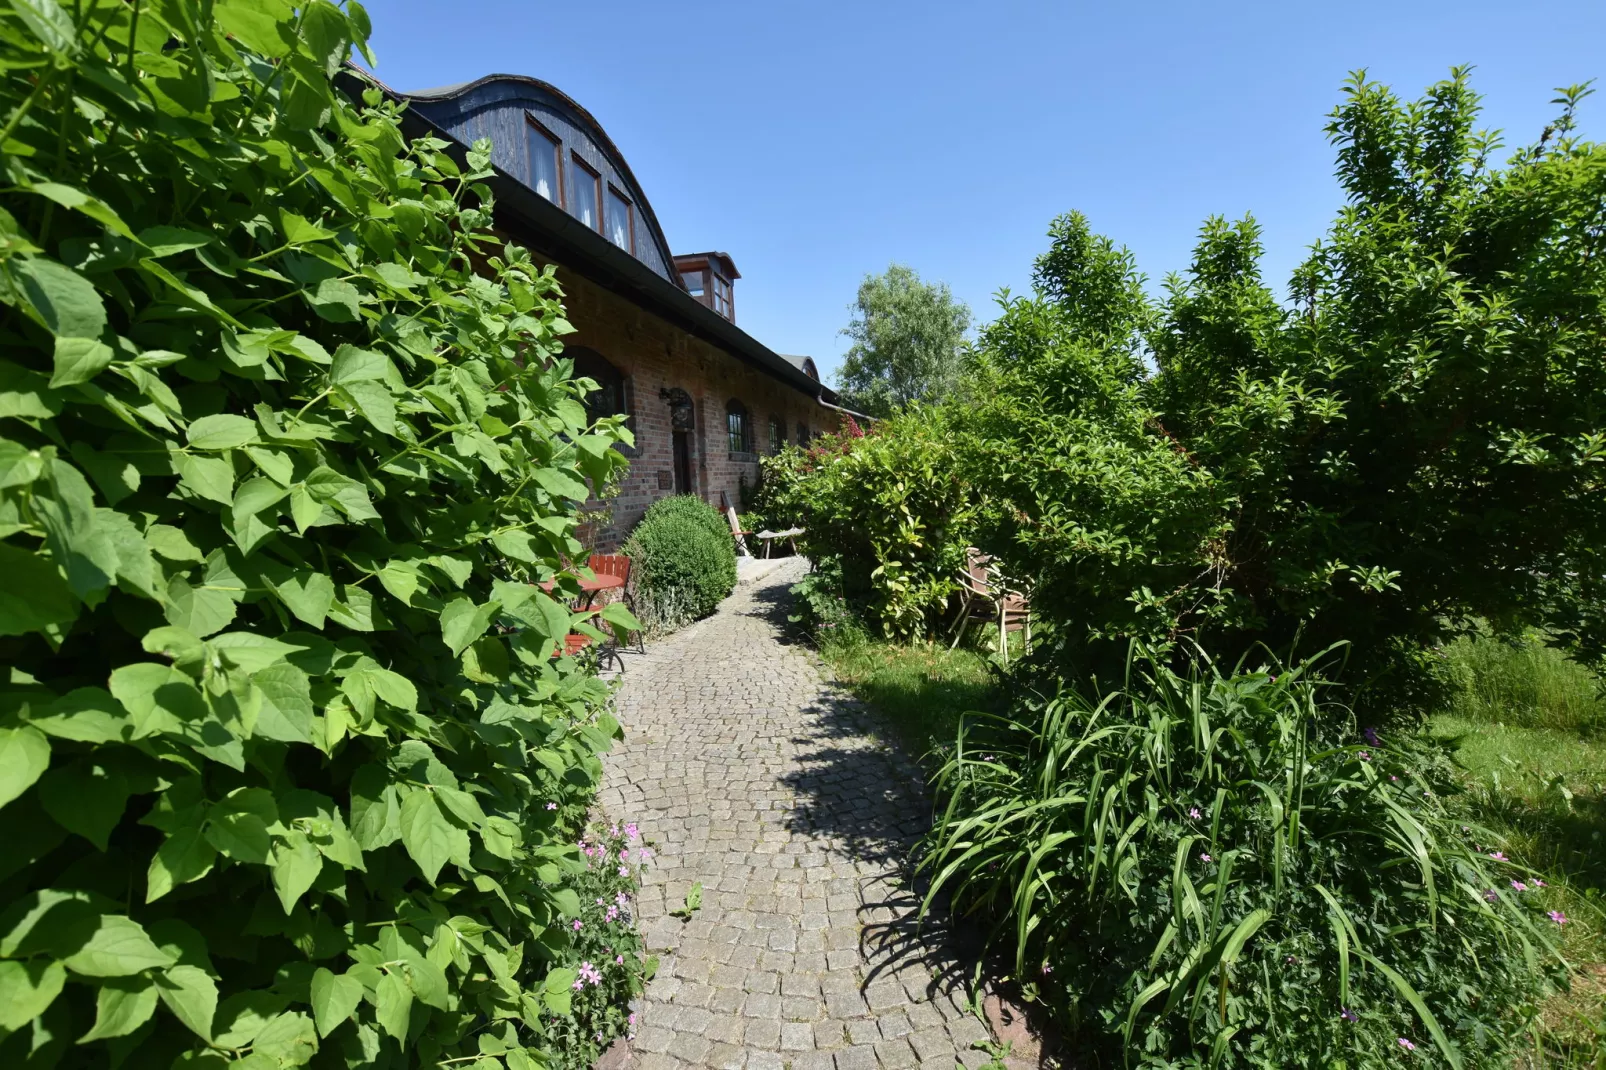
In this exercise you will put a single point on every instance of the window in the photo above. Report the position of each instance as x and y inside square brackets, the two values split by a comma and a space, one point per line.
[802, 435]
[609, 397]
[777, 435]
[736, 427]
[722, 296]
[693, 281]
[545, 171]
[621, 224]
[586, 204]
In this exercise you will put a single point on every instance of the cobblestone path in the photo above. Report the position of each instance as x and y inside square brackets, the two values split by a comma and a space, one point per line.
[758, 779]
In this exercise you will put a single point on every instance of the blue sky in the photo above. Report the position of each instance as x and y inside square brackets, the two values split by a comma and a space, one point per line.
[816, 142]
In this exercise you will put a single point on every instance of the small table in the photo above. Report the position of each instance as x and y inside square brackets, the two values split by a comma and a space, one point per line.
[603, 582]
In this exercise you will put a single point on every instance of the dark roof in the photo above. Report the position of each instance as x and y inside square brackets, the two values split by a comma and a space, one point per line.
[730, 265]
[804, 364]
[555, 232]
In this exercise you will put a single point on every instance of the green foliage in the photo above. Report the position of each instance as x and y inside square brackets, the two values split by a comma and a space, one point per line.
[286, 766]
[1212, 868]
[908, 343]
[686, 561]
[1411, 443]
[884, 511]
[1521, 680]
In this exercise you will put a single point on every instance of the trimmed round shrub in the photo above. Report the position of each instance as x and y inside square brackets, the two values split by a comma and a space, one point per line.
[699, 512]
[685, 569]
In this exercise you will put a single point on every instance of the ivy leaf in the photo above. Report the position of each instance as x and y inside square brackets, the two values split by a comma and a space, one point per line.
[34, 597]
[223, 431]
[122, 1005]
[65, 302]
[393, 1004]
[335, 997]
[118, 947]
[191, 995]
[158, 698]
[462, 622]
[429, 837]
[79, 360]
[27, 989]
[296, 863]
[184, 856]
[85, 798]
[309, 595]
[24, 755]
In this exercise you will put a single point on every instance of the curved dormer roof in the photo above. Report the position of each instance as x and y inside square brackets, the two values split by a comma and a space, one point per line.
[804, 364]
[513, 109]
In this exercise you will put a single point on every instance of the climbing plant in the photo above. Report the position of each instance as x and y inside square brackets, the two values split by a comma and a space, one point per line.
[287, 445]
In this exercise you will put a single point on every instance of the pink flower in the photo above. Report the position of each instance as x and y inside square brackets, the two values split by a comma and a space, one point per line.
[1406, 1044]
[632, 1018]
[624, 871]
[599, 900]
[1348, 1015]
[624, 855]
[1492, 895]
[1558, 917]
[614, 831]
[631, 831]
[613, 912]
[1047, 969]
[1363, 756]
[1194, 813]
[1519, 886]
[577, 986]
[1497, 856]
[551, 806]
[1392, 777]
[618, 960]
[1206, 858]
[621, 899]
[1538, 883]
[578, 925]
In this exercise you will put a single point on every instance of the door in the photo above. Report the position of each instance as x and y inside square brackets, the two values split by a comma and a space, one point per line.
[683, 462]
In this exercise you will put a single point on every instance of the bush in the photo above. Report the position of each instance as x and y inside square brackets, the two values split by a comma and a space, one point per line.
[686, 560]
[1218, 864]
[286, 768]
[886, 511]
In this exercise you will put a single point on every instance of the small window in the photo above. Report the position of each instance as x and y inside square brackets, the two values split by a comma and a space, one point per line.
[587, 203]
[545, 171]
[621, 221]
[722, 297]
[736, 427]
[693, 281]
[777, 435]
[609, 397]
[802, 435]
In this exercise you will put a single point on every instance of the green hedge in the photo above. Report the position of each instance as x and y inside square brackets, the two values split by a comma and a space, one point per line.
[686, 560]
[286, 767]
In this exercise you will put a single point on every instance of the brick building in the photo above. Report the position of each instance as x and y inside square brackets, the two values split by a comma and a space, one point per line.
[656, 330]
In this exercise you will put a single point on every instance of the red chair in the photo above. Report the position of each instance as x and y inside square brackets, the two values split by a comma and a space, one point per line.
[619, 565]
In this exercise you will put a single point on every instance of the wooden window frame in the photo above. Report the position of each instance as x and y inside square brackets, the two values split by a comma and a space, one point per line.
[583, 168]
[557, 157]
[777, 435]
[630, 217]
[744, 432]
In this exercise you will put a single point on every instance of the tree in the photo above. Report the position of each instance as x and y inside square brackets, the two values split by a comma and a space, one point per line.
[908, 342]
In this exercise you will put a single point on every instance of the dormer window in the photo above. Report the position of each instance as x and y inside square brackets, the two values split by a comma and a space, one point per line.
[587, 201]
[710, 278]
[621, 221]
[546, 173]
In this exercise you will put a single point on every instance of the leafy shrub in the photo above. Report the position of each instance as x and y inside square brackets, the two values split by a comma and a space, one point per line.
[686, 560]
[886, 511]
[1523, 681]
[1213, 869]
[1406, 444]
[286, 768]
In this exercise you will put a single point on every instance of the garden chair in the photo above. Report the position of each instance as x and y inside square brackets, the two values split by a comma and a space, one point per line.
[736, 531]
[985, 597]
[768, 538]
[619, 565]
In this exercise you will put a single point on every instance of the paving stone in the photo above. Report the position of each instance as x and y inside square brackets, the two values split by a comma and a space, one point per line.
[751, 774]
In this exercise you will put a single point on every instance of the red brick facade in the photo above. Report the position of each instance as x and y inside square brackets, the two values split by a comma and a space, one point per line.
[654, 357]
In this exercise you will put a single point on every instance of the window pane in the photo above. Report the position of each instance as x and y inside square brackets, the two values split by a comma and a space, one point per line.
[619, 220]
[693, 281]
[733, 423]
[777, 436]
[585, 205]
[543, 165]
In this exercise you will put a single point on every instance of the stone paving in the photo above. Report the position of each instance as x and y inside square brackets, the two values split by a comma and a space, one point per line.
[752, 775]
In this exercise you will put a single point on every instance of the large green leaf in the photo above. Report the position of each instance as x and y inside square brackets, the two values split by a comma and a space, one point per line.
[184, 856]
[191, 994]
[296, 863]
[429, 837]
[27, 989]
[335, 998]
[64, 300]
[85, 797]
[24, 755]
[119, 947]
[122, 1005]
[34, 596]
[462, 622]
[223, 431]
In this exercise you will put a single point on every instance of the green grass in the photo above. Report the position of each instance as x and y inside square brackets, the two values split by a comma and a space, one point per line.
[1528, 728]
[921, 690]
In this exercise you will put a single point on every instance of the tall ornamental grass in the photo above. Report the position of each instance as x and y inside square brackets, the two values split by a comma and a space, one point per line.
[1218, 869]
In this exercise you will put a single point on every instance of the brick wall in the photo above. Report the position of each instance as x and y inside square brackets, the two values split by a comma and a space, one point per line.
[655, 356]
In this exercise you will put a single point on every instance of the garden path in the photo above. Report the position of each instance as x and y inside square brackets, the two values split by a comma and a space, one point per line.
[752, 775]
